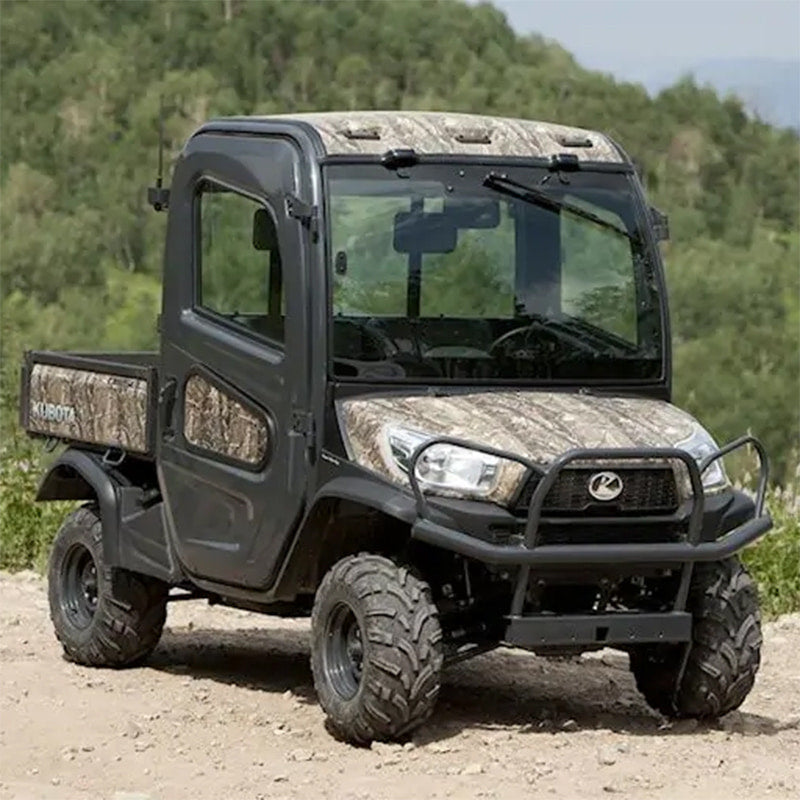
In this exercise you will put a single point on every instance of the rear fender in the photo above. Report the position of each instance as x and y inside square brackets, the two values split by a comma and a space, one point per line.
[79, 475]
[133, 523]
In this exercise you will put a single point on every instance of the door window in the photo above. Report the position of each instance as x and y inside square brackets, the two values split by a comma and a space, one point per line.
[239, 275]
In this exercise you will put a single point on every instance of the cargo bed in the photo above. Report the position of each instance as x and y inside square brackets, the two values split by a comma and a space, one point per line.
[106, 400]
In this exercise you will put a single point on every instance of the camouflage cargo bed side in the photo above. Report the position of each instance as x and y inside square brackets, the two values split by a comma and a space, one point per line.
[91, 399]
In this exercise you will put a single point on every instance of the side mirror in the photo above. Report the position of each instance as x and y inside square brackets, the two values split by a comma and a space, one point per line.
[265, 235]
[660, 222]
[472, 212]
[417, 232]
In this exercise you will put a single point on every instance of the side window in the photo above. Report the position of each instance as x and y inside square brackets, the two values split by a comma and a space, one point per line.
[239, 274]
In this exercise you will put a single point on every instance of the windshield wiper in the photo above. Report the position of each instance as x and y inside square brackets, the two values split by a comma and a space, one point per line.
[531, 194]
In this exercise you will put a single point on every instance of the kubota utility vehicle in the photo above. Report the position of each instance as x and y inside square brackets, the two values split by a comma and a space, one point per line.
[413, 381]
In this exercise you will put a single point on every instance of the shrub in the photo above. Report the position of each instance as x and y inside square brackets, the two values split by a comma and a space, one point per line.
[775, 559]
[26, 528]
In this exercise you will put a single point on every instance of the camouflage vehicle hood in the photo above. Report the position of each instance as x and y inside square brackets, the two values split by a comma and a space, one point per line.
[537, 425]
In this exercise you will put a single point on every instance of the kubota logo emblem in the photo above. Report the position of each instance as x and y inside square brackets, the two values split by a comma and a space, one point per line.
[605, 486]
[53, 412]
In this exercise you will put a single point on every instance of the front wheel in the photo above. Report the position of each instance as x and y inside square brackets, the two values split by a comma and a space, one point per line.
[102, 617]
[724, 653]
[376, 651]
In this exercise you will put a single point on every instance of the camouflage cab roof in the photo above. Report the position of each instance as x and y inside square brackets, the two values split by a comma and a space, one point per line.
[436, 133]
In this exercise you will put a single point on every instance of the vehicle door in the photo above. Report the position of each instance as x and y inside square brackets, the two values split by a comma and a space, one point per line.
[234, 358]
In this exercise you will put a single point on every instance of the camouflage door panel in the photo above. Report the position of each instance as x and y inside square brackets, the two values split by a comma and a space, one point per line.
[217, 422]
[93, 407]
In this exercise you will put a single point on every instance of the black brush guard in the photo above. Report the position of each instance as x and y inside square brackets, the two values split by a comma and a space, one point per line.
[617, 628]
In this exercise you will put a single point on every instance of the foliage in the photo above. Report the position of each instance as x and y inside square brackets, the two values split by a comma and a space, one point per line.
[81, 251]
[26, 528]
[775, 560]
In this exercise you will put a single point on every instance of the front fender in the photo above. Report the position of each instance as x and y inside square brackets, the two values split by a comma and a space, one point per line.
[324, 537]
[376, 494]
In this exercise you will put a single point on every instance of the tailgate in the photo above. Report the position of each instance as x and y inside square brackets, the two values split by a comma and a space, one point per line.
[105, 400]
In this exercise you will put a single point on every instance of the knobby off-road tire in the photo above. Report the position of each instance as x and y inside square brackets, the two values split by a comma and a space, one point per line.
[102, 617]
[725, 649]
[376, 649]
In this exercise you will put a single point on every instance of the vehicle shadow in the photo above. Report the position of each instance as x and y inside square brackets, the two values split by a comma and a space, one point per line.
[501, 690]
[274, 660]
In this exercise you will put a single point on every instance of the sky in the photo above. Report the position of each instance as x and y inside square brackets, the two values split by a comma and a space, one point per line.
[628, 37]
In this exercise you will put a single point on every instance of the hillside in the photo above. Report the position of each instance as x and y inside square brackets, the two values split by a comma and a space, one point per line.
[768, 88]
[81, 250]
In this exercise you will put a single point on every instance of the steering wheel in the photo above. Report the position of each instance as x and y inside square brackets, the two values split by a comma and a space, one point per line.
[547, 350]
[376, 345]
[522, 330]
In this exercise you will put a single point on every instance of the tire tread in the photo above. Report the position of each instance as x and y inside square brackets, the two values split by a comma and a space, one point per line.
[402, 669]
[131, 609]
[725, 649]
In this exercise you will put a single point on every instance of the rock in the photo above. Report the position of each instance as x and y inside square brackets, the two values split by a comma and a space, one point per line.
[279, 778]
[473, 769]
[385, 748]
[569, 725]
[300, 755]
[606, 756]
[132, 730]
[736, 722]
[685, 726]
[623, 747]
[791, 723]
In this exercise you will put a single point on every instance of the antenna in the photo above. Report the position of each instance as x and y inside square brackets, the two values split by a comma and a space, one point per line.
[158, 196]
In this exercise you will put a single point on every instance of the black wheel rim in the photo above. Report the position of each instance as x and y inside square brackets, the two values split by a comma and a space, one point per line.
[79, 586]
[343, 653]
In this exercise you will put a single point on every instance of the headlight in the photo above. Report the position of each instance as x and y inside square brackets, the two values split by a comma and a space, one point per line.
[699, 445]
[444, 467]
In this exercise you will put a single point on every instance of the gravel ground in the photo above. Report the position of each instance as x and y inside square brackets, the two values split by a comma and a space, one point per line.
[225, 709]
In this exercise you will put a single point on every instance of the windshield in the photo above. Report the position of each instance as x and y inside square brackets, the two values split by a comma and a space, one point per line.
[450, 272]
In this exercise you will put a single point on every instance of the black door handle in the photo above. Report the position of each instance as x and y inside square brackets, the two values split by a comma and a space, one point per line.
[166, 407]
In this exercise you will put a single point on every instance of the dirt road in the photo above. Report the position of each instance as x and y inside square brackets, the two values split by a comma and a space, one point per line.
[225, 710]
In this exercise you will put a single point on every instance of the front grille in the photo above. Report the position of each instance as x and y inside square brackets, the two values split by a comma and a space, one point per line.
[626, 533]
[645, 490]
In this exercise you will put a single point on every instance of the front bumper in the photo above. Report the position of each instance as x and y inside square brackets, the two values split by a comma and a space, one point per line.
[529, 553]
[567, 555]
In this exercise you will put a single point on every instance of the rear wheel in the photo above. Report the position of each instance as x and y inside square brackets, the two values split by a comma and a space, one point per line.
[725, 650]
[376, 650]
[102, 617]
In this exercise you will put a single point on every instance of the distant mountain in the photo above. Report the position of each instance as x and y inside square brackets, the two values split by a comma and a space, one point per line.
[769, 88]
